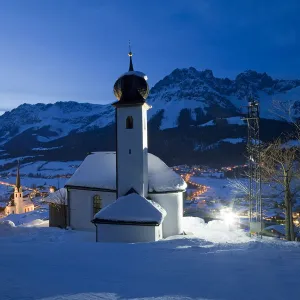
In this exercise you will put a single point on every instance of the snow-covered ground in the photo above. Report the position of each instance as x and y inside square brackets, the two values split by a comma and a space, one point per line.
[225, 189]
[43, 168]
[37, 262]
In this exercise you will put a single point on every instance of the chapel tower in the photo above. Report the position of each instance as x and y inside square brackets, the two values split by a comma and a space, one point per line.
[131, 90]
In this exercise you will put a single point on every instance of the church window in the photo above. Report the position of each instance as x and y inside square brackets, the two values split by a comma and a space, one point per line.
[129, 122]
[97, 203]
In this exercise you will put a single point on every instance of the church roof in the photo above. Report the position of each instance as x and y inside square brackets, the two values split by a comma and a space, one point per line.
[131, 209]
[98, 171]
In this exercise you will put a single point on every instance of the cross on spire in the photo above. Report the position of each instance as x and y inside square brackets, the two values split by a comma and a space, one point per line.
[130, 57]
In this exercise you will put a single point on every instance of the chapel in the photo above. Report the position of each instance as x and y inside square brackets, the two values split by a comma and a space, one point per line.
[128, 195]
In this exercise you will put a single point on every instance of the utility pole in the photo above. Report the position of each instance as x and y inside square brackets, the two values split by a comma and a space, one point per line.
[254, 165]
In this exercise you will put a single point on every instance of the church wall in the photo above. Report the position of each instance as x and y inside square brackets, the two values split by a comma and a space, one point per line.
[128, 233]
[81, 207]
[132, 149]
[18, 199]
[173, 204]
[10, 209]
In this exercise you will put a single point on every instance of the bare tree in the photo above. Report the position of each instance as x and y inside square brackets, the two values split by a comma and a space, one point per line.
[283, 110]
[280, 166]
[239, 186]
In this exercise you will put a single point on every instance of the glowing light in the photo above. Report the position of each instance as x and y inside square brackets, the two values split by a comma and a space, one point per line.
[228, 216]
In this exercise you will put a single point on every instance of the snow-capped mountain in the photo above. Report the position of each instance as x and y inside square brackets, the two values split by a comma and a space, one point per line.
[191, 110]
[205, 97]
[54, 121]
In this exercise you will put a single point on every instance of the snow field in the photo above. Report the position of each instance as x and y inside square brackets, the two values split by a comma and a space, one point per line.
[53, 264]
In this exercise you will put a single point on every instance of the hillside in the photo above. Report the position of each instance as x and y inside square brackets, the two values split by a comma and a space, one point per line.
[195, 118]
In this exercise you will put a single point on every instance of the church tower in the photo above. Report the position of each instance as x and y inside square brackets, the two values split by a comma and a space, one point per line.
[18, 194]
[131, 90]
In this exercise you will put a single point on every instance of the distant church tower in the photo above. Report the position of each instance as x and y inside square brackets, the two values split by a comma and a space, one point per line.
[18, 194]
[131, 90]
[19, 204]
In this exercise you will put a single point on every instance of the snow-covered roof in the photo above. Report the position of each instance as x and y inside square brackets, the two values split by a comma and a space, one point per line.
[58, 197]
[132, 208]
[98, 170]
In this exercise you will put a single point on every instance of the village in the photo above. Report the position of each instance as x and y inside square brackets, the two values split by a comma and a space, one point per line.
[209, 192]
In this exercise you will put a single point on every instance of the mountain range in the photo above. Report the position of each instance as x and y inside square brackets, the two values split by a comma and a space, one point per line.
[196, 118]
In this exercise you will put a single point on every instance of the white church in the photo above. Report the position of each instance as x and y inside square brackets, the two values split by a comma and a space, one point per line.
[129, 195]
[19, 204]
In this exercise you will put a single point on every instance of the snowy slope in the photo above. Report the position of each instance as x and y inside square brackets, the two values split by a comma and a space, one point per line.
[53, 264]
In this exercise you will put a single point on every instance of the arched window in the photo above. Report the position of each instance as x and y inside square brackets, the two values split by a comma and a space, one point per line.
[129, 122]
[97, 204]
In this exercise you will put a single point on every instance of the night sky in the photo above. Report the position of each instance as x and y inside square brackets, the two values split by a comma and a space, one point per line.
[58, 50]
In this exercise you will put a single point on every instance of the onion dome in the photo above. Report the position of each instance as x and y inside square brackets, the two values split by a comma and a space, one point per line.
[131, 87]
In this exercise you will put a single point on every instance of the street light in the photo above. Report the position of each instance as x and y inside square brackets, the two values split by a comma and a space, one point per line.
[228, 216]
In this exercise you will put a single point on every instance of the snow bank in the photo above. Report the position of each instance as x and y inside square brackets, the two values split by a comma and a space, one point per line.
[98, 170]
[214, 231]
[56, 264]
[6, 228]
[132, 207]
[28, 218]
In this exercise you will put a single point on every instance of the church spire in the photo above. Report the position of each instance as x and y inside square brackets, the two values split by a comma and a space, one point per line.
[18, 180]
[130, 57]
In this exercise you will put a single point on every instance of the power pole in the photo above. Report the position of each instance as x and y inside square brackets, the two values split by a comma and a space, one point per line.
[254, 165]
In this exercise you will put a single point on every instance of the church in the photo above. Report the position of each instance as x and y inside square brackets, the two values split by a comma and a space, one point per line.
[19, 204]
[129, 195]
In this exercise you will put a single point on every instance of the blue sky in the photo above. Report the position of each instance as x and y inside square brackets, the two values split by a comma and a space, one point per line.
[58, 50]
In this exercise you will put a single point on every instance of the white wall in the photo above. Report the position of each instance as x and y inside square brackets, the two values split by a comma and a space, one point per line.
[128, 233]
[18, 199]
[81, 207]
[173, 204]
[132, 150]
[10, 209]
